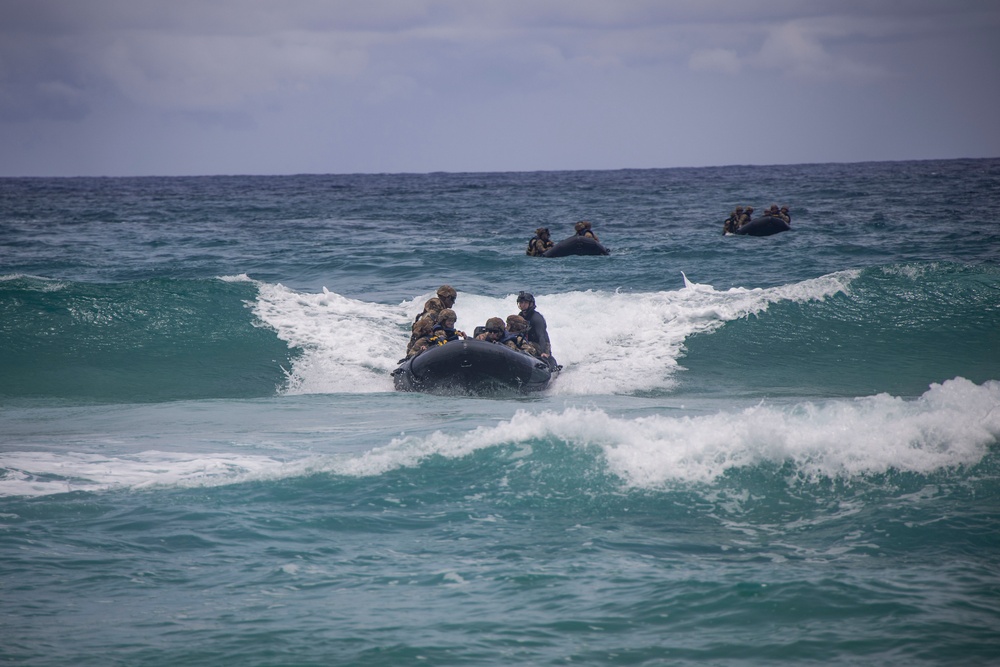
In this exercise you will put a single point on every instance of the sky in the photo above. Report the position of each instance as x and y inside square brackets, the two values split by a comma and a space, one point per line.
[198, 87]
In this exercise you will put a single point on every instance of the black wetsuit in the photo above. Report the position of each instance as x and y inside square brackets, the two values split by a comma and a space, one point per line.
[538, 333]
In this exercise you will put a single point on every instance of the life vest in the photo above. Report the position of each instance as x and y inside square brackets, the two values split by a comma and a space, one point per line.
[440, 335]
[537, 246]
[517, 338]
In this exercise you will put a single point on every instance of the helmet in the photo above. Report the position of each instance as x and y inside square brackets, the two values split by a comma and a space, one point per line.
[447, 292]
[495, 324]
[446, 315]
[748, 209]
[586, 224]
[739, 209]
[525, 296]
[433, 305]
[516, 323]
[542, 231]
[784, 209]
[579, 226]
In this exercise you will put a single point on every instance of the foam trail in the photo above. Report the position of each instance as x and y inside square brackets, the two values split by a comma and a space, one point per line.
[608, 342]
[347, 346]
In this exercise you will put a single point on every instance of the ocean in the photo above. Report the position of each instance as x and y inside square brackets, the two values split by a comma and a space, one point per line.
[761, 450]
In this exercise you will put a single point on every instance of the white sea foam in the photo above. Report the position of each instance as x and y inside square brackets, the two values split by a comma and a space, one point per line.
[951, 425]
[345, 345]
[608, 342]
[39, 283]
[45, 473]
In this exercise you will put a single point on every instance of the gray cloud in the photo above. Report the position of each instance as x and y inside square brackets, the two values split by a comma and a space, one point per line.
[448, 84]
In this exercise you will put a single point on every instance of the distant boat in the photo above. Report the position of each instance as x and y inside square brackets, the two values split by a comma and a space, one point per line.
[764, 226]
[576, 245]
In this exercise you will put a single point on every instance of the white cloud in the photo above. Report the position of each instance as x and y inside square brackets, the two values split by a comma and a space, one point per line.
[796, 49]
[715, 60]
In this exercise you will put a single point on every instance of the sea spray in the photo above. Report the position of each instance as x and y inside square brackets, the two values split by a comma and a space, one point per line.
[607, 342]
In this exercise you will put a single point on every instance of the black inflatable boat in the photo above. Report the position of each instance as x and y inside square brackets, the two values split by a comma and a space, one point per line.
[764, 226]
[576, 245]
[474, 367]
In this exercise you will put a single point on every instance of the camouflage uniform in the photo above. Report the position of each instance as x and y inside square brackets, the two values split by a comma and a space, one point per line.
[517, 327]
[425, 320]
[420, 338]
[495, 328]
[431, 308]
[442, 332]
[731, 223]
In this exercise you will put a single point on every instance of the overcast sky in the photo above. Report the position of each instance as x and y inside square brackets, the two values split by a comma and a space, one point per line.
[186, 87]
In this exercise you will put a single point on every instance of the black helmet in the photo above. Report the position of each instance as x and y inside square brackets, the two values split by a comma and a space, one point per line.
[525, 296]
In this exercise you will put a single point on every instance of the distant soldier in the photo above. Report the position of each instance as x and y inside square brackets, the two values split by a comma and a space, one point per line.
[732, 222]
[785, 215]
[583, 228]
[540, 242]
[746, 217]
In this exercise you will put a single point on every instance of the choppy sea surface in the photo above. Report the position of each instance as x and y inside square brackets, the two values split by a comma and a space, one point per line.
[761, 450]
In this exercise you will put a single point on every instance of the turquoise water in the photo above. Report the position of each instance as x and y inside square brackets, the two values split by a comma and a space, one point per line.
[761, 450]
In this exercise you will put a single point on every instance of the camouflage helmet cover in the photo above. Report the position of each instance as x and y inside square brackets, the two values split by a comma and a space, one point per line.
[516, 323]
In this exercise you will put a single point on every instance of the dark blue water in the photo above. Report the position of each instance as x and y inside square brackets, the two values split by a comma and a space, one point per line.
[779, 449]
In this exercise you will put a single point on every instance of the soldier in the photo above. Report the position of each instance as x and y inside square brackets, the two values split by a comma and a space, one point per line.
[494, 331]
[583, 228]
[447, 294]
[429, 316]
[444, 331]
[732, 222]
[746, 217]
[421, 338]
[537, 333]
[540, 242]
[784, 215]
[517, 328]
[431, 308]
